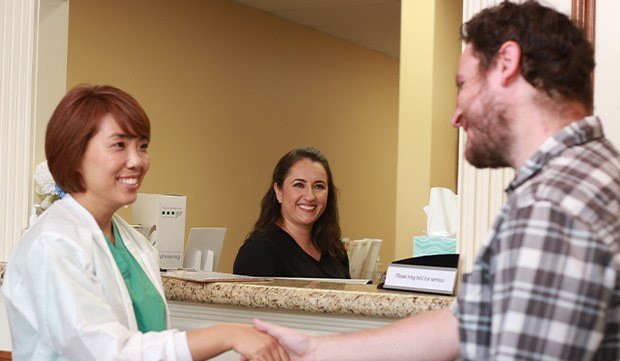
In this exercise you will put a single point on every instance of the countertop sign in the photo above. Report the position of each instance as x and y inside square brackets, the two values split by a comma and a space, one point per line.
[433, 274]
[421, 278]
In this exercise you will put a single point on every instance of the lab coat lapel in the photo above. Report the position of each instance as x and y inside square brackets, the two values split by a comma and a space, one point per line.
[145, 254]
[87, 218]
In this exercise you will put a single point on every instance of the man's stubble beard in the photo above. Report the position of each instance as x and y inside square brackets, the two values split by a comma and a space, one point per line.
[493, 137]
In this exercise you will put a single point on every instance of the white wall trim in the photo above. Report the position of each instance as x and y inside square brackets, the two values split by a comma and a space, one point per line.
[18, 36]
[481, 194]
[481, 191]
[607, 70]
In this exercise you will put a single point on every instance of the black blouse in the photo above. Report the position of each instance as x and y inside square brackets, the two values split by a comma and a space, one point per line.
[275, 253]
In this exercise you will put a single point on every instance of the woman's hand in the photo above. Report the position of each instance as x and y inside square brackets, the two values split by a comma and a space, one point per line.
[205, 343]
[299, 347]
[255, 345]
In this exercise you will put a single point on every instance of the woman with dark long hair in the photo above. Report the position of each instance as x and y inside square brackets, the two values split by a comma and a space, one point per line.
[297, 233]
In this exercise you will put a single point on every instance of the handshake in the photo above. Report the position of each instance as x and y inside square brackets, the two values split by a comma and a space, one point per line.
[439, 329]
[269, 342]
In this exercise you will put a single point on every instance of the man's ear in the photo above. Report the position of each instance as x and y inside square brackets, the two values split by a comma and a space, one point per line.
[508, 61]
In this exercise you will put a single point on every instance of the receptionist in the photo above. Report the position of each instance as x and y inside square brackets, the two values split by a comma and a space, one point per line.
[297, 233]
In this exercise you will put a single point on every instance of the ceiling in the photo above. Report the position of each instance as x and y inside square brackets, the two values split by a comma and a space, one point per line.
[373, 24]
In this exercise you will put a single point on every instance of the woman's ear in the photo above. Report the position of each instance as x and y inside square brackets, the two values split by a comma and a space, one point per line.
[278, 192]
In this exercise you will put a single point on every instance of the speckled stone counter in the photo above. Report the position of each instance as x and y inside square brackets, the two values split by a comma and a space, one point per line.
[308, 296]
[305, 296]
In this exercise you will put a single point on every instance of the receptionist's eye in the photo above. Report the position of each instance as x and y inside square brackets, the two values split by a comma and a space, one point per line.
[320, 186]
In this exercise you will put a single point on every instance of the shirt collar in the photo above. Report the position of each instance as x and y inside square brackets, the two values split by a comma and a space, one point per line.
[575, 133]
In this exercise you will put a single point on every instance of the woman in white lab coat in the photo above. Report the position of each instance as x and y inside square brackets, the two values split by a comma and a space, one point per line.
[84, 285]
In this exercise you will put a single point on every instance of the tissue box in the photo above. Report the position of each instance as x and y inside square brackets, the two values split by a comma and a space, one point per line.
[167, 213]
[431, 245]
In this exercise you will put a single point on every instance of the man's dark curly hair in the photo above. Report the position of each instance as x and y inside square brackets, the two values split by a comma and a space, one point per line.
[555, 55]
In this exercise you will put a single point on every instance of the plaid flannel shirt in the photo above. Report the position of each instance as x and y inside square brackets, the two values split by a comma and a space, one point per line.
[546, 286]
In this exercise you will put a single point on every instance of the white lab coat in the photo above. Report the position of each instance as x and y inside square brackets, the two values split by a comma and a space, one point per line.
[66, 299]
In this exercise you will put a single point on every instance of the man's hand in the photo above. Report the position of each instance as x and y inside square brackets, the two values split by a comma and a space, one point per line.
[435, 332]
[299, 347]
[254, 345]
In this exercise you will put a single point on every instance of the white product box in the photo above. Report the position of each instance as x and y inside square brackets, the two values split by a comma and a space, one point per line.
[167, 213]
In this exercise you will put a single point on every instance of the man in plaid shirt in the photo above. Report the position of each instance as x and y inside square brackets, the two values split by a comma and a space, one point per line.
[546, 285]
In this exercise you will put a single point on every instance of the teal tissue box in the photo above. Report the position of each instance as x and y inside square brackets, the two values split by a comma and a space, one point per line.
[431, 245]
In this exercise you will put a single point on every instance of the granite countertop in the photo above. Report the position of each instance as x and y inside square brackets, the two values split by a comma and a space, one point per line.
[309, 296]
[300, 295]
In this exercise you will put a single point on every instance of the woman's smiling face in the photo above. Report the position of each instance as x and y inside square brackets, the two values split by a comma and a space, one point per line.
[303, 194]
[113, 166]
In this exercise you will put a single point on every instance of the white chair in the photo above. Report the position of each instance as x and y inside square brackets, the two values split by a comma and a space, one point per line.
[352, 253]
[358, 252]
[370, 262]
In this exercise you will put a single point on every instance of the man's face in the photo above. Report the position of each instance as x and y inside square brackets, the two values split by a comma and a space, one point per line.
[481, 115]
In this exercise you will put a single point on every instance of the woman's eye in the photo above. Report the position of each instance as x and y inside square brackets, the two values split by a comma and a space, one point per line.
[144, 146]
[299, 185]
[119, 145]
[319, 186]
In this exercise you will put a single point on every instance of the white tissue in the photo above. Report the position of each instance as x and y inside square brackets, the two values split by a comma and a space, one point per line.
[442, 213]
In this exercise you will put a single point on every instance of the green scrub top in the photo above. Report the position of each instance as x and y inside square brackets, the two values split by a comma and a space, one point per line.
[148, 304]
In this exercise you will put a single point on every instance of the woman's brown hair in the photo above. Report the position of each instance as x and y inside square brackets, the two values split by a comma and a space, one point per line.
[76, 120]
[326, 230]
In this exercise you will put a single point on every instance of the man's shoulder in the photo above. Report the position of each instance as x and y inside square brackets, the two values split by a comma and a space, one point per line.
[583, 180]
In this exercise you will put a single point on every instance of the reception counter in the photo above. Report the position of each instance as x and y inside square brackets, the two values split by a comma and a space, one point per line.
[309, 306]
[302, 296]
[306, 296]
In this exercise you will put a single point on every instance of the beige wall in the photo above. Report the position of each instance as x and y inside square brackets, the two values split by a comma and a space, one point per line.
[52, 66]
[427, 144]
[446, 52]
[230, 89]
[51, 70]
